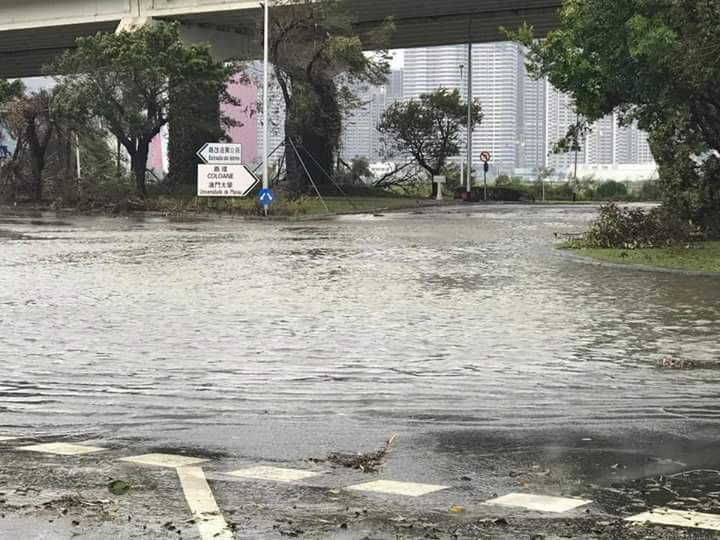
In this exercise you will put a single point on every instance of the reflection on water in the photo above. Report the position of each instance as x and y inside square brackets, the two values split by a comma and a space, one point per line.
[465, 319]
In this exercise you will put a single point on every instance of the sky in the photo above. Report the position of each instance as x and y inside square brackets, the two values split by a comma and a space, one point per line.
[398, 61]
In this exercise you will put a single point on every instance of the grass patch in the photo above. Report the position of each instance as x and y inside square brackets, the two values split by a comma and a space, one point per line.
[305, 206]
[701, 257]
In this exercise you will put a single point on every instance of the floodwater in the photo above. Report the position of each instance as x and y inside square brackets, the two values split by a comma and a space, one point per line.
[311, 335]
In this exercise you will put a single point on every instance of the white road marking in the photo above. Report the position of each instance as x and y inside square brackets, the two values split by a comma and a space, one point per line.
[541, 503]
[273, 473]
[398, 488]
[210, 522]
[164, 460]
[4, 439]
[678, 518]
[62, 449]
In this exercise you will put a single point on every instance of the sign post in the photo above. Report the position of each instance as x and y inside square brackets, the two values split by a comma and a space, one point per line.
[485, 158]
[266, 100]
[439, 180]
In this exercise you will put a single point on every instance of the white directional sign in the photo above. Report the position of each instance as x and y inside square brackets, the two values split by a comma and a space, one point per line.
[223, 153]
[225, 181]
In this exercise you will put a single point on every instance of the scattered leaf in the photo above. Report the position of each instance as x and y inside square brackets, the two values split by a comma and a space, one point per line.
[119, 487]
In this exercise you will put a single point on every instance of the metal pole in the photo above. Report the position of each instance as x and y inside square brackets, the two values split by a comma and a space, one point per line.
[470, 104]
[266, 91]
[77, 156]
[577, 144]
[462, 171]
[462, 164]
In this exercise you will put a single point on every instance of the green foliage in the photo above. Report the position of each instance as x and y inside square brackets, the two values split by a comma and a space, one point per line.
[650, 191]
[516, 193]
[360, 167]
[656, 63]
[125, 81]
[319, 60]
[10, 90]
[28, 120]
[611, 191]
[632, 228]
[195, 120]
[118, 487]
[356, 174]
[429, 128]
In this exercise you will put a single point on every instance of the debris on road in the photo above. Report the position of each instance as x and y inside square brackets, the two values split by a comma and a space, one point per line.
[367, 462]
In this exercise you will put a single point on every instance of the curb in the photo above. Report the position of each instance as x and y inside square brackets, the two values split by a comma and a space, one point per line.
[632, 267]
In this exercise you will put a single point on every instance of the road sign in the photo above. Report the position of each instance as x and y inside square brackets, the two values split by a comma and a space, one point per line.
[223, 153]
[485, 156]
[225, 181]
[265, 197]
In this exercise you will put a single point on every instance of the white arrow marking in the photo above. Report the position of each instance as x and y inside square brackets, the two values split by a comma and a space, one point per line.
[204, 508]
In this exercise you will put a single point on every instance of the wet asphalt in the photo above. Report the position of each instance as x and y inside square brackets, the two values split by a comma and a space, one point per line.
[501, 367]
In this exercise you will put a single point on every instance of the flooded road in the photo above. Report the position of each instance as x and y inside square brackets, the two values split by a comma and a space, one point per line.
[289, 340]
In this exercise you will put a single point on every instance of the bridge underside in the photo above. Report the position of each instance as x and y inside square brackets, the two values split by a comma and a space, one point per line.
[23, 52]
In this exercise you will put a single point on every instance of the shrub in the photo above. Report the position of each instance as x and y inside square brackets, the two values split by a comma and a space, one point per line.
[632, 228]
[495, 193]
[611, 191]
[650, 191]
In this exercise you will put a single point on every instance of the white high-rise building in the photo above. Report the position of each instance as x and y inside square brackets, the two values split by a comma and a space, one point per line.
[360, 135]
[532, 104]
[522, 118]
[495, 84]
[606, 143]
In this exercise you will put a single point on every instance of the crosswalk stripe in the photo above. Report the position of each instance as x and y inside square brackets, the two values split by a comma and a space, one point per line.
[678, 518]
[210, 522]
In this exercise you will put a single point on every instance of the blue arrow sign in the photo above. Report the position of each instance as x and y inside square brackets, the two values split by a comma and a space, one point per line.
[265, 196]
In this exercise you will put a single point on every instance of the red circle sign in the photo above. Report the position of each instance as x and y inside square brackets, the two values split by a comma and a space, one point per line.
[485, 156]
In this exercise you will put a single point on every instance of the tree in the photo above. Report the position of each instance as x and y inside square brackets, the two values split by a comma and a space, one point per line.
[10, 90]
[429, 128]
[655, 63]
[318, 60]
[39, 129]
[125, 80]
[30, 124]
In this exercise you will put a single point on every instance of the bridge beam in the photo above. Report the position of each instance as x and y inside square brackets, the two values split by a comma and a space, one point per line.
[33, 32]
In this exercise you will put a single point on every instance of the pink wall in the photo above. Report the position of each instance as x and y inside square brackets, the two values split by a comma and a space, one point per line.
[245, 113]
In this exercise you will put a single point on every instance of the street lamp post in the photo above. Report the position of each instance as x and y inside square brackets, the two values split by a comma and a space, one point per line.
[577, 145]
[266, 91]
[470, 108]
[462, 165]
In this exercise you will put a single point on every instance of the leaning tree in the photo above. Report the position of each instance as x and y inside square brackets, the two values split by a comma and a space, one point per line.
[429, 128]
[319, 60]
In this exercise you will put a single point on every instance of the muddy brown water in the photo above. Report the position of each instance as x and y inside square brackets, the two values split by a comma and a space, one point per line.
[317, 336]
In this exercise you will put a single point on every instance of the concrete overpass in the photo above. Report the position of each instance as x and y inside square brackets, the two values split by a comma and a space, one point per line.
[33, 32]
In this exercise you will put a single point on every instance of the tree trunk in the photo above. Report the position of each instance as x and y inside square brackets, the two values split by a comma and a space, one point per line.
[297, 181]
[138, 163]
[37, 165]
[316, 131]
